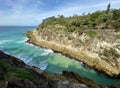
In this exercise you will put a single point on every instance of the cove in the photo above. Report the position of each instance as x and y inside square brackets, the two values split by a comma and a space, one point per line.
[13, 42]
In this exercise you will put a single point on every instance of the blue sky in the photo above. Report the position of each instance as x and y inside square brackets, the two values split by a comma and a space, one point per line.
[31, 12]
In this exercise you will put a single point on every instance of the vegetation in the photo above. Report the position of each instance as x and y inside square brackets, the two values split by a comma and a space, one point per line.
[111, 53]
[91, 33]
[108, 7]
[7, 72]
[118, 36]
[106, 19]
[14, 72]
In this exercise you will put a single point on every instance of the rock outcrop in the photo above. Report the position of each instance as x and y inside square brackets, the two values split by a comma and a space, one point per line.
[101, 52]
[14, 73]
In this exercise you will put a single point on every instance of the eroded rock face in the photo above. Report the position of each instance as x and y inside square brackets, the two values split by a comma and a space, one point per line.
[101, 52]
[24, 83]
[66, 84]
[20, 75]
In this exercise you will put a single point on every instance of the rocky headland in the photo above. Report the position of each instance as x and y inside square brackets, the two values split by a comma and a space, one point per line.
[93, 39]
[14, 73]
[101, 54]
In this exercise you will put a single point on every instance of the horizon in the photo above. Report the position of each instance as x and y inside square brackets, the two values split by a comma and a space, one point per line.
[31, 13]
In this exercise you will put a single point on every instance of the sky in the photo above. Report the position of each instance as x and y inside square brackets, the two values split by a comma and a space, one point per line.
[32, 12]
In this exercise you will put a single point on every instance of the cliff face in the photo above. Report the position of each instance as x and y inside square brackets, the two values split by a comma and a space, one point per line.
[92, 38]
[97, 48]
[14, 73]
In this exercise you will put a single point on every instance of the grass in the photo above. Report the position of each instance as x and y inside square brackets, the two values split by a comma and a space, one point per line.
[118, 36]
[111, 53]
[11, 73]
[21, 73]
[91, 33]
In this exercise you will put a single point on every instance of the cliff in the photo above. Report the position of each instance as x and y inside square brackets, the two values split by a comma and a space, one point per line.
[101, 53]
[93, 39]
[14, 73]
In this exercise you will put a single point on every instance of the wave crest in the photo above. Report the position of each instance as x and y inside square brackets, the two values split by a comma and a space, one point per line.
[4, 41]
[23, 40]
[46, 52]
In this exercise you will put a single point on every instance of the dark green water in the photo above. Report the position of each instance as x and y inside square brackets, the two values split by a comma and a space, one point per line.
[12, 41]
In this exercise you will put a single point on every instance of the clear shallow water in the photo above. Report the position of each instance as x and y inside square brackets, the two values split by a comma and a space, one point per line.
[12, 41]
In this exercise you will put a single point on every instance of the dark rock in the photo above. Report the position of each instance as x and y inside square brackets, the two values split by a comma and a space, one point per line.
[65, 84]
[40, 79]
[1, 77]
[23, 83]
[115, 86]
[13, 61]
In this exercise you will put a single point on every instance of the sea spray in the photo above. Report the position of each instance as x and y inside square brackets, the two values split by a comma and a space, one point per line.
[23, 40]
[42, 65]
[2, 42]
[46, 52]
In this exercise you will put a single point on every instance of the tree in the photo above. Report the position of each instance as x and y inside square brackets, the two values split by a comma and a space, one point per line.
[49, 19]
[108, 7]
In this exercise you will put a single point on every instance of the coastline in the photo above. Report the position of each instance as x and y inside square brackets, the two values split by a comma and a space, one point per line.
[36, 78]
[94, 63]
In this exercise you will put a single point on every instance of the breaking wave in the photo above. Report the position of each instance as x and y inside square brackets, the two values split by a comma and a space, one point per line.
[42, 64]
[23, 41]
[46, 52]
[4, 41]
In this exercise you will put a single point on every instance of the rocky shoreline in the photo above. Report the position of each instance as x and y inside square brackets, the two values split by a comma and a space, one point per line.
[90, 59]
[14, 73]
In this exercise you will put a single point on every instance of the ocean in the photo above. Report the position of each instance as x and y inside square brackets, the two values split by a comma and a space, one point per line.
[13, 42]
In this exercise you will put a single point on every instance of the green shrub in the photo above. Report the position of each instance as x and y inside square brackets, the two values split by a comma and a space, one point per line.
[97, 20]
[21, 73]
[111, 53]
[91, 33]
[118, 36]
[10, 72]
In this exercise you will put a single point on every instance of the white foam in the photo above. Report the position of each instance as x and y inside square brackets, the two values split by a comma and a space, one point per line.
[29, 44]
[6, 52]
[4, 41]
[23, 41]
[43, 65]
[46, 52]
[1, 47]
[79, 62]
[27, 59]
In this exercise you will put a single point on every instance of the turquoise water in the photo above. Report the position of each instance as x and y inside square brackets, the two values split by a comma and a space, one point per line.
[13, 42]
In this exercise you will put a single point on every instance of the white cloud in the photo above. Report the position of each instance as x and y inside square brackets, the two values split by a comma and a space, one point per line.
[24, 13]
[76, 8]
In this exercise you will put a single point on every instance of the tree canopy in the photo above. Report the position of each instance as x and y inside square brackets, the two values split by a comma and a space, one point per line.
[96, 20]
